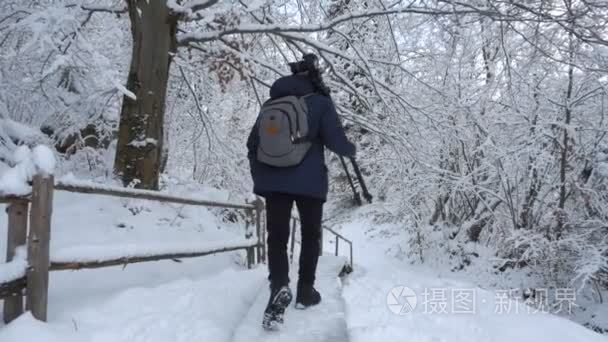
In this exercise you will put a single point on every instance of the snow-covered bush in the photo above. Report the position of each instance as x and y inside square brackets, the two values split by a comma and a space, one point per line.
[14, 180]
[14, 134]
[59, 67]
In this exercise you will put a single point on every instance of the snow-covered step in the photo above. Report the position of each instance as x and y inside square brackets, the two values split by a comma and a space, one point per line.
[322, 323]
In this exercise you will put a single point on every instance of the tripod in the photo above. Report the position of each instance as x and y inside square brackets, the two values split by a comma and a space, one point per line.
[368, 197]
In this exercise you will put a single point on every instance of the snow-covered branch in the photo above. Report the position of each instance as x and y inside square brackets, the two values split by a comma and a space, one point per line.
[96, 8]
[190, 7]
[190, 37]
[114, 10]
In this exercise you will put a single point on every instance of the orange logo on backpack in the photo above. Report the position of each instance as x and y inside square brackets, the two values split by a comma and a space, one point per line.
[272, 130]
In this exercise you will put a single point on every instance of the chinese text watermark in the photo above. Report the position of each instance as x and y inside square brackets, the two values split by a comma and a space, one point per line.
[402, 300]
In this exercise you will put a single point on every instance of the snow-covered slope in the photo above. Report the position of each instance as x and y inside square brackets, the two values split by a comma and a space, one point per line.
[442, 313]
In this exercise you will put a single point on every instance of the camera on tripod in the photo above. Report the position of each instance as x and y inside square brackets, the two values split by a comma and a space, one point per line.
[309, 63]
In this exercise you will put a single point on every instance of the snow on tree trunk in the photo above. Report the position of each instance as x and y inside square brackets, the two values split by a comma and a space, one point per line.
[140, 135]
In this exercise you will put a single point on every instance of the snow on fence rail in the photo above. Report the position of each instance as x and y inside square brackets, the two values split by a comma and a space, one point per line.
[12, 274]
[80, 257]
[30, 271]
[15, 268]
[98, 189]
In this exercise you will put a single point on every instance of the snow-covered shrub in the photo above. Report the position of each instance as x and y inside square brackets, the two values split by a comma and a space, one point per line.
[59, 67]
[14, 180]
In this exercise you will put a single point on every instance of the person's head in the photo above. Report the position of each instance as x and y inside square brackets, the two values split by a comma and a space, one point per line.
[309, 65]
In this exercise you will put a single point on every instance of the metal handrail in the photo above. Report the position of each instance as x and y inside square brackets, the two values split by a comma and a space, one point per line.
[337, 235]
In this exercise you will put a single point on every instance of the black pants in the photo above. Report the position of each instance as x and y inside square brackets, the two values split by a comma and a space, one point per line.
[278, 211]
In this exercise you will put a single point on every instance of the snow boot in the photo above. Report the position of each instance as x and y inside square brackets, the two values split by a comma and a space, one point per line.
[280, 298]
[307, 296]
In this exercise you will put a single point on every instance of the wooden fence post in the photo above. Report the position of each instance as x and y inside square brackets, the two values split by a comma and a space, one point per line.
[259, 209]
[17, 233]
[248, 235]
[39, 246]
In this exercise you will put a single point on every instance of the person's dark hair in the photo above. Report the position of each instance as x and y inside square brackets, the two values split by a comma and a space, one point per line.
[310, 65]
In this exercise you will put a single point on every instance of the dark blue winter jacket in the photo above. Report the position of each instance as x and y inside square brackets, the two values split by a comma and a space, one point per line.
[309, 178]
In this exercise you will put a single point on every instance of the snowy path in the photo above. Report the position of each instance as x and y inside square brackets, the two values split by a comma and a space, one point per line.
[322, 323]
[221, 306]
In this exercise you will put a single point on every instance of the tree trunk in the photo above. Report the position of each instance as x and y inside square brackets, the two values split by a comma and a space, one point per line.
[563, 163]
[140, 134]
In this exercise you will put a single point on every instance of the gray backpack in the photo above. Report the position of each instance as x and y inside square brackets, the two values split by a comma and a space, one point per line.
[283, 131]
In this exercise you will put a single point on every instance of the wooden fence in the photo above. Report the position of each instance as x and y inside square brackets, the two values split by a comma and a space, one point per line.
[37, 209]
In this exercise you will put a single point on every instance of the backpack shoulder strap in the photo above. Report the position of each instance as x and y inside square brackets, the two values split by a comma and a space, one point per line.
[314, 140]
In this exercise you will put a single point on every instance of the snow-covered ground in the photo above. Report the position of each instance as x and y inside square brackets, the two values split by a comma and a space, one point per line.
[446, 309]
[185, 305]
[215, 298]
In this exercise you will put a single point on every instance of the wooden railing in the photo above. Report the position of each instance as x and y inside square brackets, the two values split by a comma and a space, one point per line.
[37, 207]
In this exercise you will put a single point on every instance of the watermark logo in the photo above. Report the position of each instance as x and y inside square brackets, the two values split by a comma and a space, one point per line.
[401, 300]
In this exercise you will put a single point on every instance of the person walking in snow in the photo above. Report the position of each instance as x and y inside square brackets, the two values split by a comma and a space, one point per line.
[286, 155]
